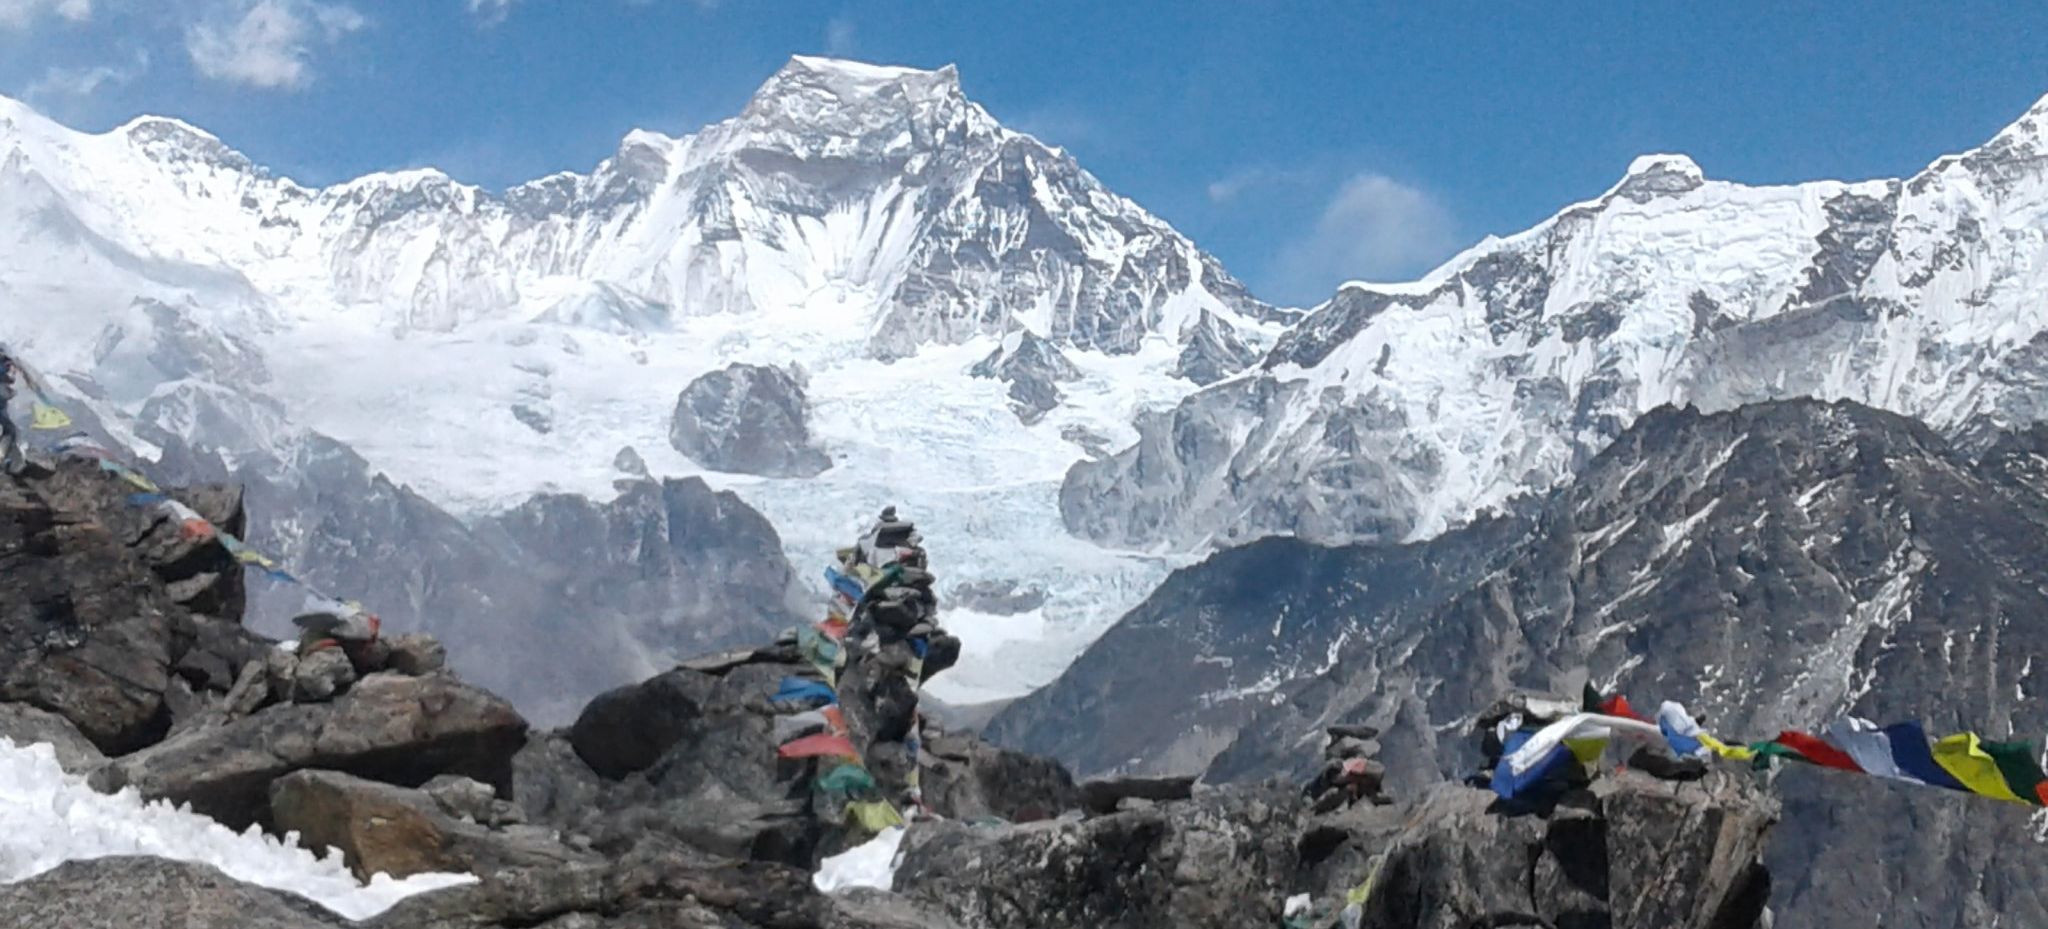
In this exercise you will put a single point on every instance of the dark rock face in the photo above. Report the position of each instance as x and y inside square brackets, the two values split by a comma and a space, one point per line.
[549, 604]
[387, 829]
[1221, 860]
[1212, 351]
[388, 727]
[1630, 854]
[1170, 684]
[25, 725]
[146, 892]
[747, 419]
[1033, 367]
[104, 606]
[1772, 567]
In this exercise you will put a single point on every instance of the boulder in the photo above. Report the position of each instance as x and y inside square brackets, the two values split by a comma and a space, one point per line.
[747, 419]
[966, 778]
[321, 675]
[388, 727]
[552, 785]
[385, 829]
[134, 892]
[25, 725]
[1106, 795]
[1224, 859]
[629, 728]
[1631, 853]
[415, 653]
[464, 798]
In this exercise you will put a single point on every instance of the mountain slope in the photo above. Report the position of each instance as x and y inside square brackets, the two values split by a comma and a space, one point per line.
[1396, 412]
[1775, 566]
[869, 225]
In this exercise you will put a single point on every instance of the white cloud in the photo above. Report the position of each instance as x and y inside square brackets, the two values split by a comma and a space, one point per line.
[491, 12]
[1375, 228]
[18, 14]
[58, 84]
[839, 36]
[269, 43]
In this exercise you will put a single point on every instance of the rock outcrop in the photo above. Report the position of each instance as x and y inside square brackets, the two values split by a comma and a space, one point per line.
[747, 419]
[389, 727]
[1631, 853]
[111, 614]
[386, 829]
[1034, 368]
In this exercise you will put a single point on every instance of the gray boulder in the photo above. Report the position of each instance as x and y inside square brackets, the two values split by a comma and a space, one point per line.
[387, 829]
[134, 892]
[1225, 859]
[389, 727]
[1632, 853]
[97, 604]
[747, 419]
[25, 725]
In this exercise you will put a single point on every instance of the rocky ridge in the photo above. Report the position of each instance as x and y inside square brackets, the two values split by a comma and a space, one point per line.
[668, 805]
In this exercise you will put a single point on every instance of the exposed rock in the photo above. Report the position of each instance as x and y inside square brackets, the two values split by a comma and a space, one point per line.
[386, 829]
[968, 779]
[1106, 795]
[415, 654]
[321, 675]
[628, 460]
[91, 630]
[1211, 350]
[552, 785]
[25, 725]
[464, 798]
[145, 893]
[389, 727]
[629, 728]
[1632, 853]
[1033, 367]
[747, 419]
[1222, 860]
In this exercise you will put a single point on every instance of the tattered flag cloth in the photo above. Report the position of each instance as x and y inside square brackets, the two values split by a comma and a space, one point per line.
[873, 816]
[798, 690]
[849, 587]
[825, 744]
[2009, 771]
[47, 417]
[1551, 738]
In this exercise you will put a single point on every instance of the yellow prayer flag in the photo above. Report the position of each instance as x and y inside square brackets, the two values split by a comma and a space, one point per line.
[48, 417]
[1960, 755]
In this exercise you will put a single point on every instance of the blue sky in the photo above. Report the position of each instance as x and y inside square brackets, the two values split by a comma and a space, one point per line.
[1303, 142]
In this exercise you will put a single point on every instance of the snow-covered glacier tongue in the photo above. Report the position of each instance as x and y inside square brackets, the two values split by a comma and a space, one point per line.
[1394, 412]
[870, 227]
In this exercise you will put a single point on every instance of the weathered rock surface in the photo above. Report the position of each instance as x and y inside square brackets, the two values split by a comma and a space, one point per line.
[153, 893]
[25, 725]
[389, 727]
[1222, 860]
[1631, 853]
[387, 829]
[1034, 368]
[98, 601]
[747, 419]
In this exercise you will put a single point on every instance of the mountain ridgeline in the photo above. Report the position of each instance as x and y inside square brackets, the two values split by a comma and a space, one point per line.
[1775, 567]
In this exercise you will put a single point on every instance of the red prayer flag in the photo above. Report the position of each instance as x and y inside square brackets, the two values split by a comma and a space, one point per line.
[1817, 751]
[834, 719]
[1617, 705]
[830, 744]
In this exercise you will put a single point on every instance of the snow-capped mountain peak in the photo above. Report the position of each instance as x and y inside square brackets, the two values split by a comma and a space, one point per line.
[1394, 412]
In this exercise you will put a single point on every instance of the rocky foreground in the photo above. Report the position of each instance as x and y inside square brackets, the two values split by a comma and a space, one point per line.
[666, 803]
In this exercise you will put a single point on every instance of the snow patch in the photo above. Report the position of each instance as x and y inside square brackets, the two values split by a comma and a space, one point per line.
[48, 817]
